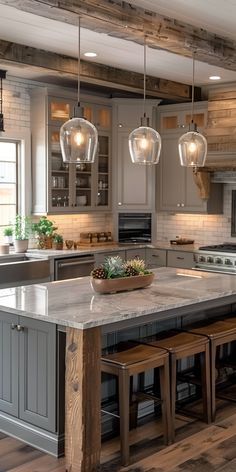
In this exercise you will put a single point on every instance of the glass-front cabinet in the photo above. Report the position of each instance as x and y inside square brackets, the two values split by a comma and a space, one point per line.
[69, 188]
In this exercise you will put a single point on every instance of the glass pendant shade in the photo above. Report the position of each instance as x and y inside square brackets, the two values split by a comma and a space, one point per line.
[144, 145]
[78, 140]
[192, 149]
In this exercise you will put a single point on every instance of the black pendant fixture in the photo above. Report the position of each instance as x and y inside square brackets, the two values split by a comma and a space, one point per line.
[2, 76]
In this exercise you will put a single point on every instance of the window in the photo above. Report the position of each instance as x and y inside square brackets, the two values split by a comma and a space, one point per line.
[9, 152]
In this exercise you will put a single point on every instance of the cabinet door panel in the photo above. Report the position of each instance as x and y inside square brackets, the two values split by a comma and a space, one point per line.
[8, 364]
[38, 371]
[180, 259]
[172, 175]
[133, 188]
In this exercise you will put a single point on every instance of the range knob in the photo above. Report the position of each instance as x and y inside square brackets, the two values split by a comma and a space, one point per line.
[228, 262]
[210, 259]
[202, 259]
[218, 260]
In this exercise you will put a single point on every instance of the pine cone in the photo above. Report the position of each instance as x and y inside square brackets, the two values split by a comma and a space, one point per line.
[98, 273]
[130, 271]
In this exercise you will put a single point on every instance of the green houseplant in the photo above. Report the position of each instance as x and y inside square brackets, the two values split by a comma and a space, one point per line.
[44, 230]
[57, 241]
[22, 231]
[8, 235]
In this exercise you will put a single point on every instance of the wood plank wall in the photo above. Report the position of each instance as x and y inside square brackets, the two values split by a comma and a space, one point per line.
[221, 126]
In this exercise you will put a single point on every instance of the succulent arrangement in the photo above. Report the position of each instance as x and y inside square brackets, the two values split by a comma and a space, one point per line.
[114, 267]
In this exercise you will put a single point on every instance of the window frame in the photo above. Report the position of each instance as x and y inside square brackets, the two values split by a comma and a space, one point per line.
[24, 181]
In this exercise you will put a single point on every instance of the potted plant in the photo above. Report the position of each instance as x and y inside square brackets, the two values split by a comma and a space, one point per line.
[115, 275]
[8, 235]
[44, 230]
[22, 231]
[57, 241]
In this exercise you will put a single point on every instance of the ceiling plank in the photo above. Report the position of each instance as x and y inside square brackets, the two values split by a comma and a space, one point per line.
[91, 73]
[120, 19]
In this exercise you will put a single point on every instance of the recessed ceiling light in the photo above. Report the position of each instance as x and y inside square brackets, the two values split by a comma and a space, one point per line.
[90, 54]
[214, 77]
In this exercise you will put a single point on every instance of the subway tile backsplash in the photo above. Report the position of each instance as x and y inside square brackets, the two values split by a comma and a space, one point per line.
[204, 229]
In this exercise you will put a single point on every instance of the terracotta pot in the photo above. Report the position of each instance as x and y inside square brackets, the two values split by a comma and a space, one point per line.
[57, 246]
[121, 284]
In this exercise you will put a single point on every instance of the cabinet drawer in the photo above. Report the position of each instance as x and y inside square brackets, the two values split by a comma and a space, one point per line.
[155, 258]
[180, 259]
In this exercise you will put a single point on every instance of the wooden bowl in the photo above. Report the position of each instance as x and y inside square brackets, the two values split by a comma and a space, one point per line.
[121, 284]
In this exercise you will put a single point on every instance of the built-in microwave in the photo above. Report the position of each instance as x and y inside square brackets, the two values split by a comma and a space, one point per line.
[135, 227]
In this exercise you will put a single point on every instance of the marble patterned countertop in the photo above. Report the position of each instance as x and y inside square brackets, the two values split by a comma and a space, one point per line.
[74, 303]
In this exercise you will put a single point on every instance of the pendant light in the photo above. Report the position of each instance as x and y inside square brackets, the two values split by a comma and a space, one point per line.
[192, 145]
[144, 142]
[2, 76]
[78, 137]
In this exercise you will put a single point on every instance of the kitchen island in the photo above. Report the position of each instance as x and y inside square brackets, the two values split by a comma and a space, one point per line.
[175, 293]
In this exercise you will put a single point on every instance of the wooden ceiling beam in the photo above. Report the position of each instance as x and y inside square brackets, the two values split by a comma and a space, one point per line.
[121, 19]
[91, 73]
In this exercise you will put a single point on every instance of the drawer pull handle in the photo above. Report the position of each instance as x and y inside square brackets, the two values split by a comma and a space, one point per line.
[180, 258]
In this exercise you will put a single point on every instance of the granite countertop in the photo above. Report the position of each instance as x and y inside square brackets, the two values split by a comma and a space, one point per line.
[74, 303]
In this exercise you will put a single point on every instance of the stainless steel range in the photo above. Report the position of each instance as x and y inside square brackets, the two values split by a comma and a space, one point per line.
[217, 258]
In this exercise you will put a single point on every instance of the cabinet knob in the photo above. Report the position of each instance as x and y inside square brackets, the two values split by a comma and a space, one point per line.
[182, 204]
[178, 204]
[180, 126]
[13, 326]
[19, 328]
[119, 203]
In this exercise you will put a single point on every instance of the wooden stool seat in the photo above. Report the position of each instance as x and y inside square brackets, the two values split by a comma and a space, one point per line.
[219, 333]
[181, 345]
[135, 360]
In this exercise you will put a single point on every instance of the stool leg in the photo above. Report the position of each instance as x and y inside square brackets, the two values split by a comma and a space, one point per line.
[167, 419]
[213, 379]
[206, 386]
[124, 415]
[173, 373]
[133, 408]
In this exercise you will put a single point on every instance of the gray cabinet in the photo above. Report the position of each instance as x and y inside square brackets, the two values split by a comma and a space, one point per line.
[181, 259]
[57, 186]
[136, 254]
[177, 189]
[9, 347]
[134, 185]
[155, 258]
[28, 370]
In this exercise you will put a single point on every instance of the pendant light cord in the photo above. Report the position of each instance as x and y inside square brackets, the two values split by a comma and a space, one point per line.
[79, 66]
[192, 111]
[1, 99]
[144, 76]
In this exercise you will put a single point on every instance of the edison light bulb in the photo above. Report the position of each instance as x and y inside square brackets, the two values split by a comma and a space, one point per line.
[144, 143]
[78, 138]
[192, 147]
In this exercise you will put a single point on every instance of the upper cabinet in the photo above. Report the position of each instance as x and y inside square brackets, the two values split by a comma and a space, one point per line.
[133, 184]
[177, 191]
[68, 188]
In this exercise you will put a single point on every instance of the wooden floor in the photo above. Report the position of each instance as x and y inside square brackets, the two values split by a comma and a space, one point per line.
[198, 448]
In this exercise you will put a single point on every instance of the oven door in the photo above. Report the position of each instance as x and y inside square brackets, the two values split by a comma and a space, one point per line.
[72, 267]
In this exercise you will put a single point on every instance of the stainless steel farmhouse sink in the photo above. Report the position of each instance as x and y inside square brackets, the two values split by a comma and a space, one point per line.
[22, 270]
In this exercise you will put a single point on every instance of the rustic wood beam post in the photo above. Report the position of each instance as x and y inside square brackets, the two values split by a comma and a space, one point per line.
[83, 400]
[202, 180]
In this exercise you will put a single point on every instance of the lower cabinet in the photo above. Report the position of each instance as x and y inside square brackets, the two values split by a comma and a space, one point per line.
[155, 258]
[28, 371]
[181, 259]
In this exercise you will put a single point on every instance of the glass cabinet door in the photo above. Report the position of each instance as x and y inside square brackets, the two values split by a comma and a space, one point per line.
[83, 185]
[59, 194]
[59, 110]
[103, 171]
[99, 115]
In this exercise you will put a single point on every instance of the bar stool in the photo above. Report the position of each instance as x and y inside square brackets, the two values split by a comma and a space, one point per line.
[181, 345]
[219, 333]
[137, 359]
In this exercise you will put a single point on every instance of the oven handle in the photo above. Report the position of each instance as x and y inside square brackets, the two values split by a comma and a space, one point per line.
[214, 270]
[60, 265]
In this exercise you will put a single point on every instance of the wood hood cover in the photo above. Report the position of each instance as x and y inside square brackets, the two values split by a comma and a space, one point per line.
[221, 130]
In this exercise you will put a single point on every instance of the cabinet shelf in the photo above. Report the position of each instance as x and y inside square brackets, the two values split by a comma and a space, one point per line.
[55, 171]
[60, 188]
